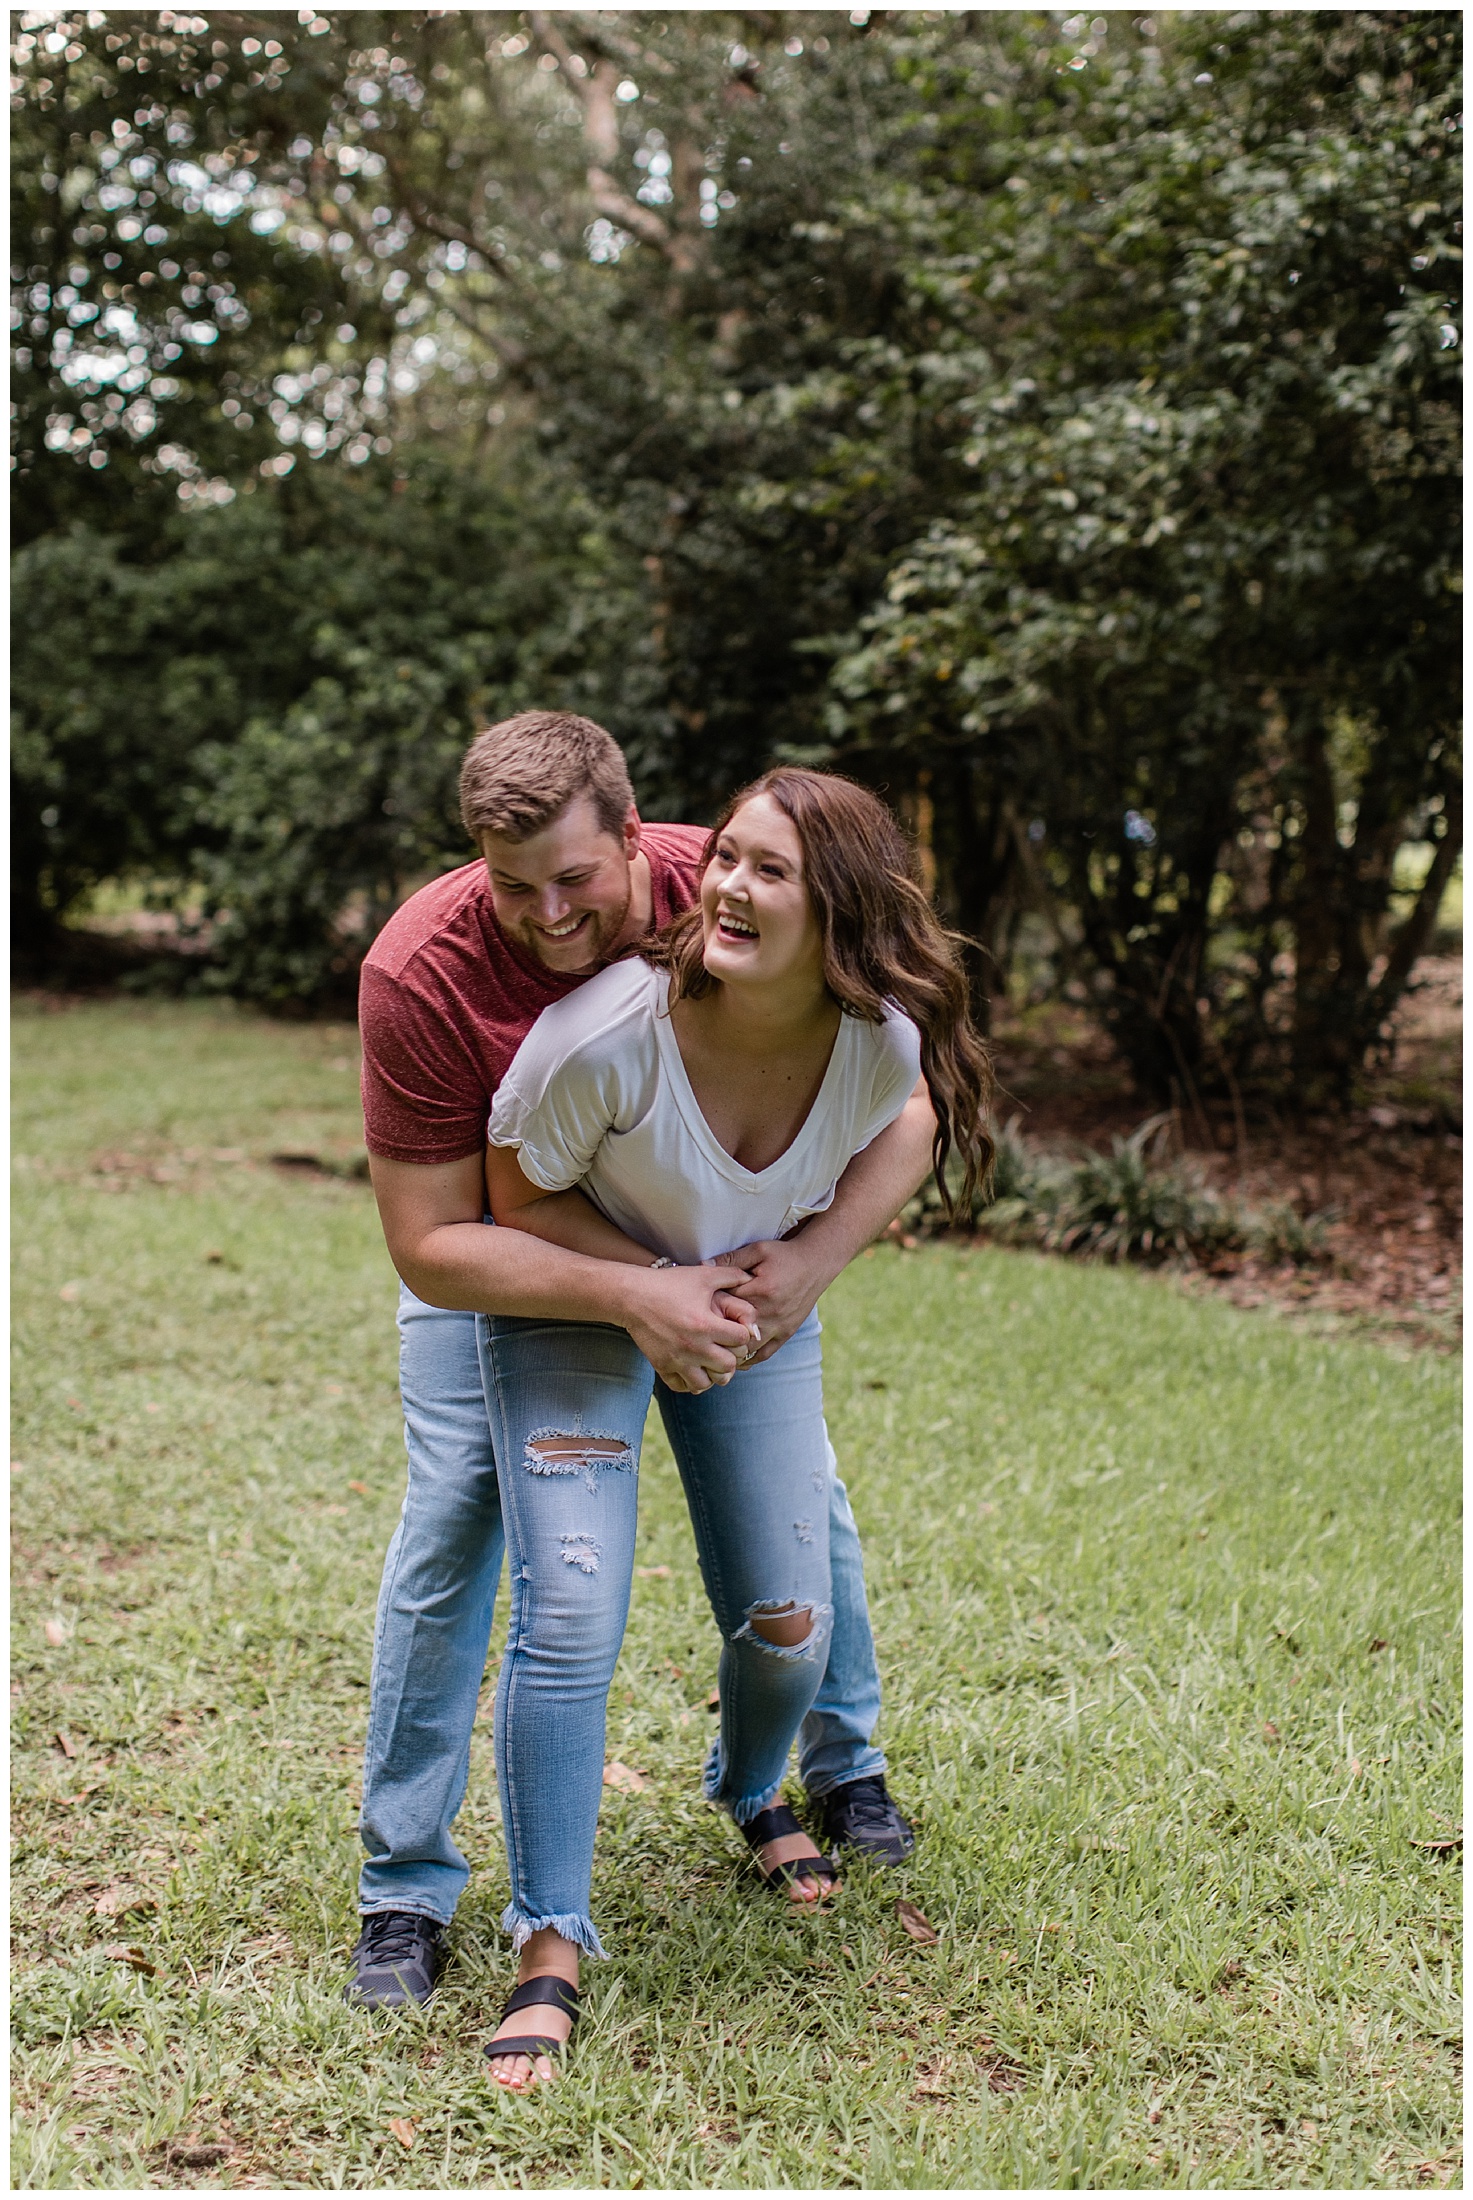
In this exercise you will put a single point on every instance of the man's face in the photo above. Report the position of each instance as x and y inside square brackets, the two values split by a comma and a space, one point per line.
[564, 895]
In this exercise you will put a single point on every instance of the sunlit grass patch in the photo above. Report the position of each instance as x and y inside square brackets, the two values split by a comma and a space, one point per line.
[1166, 1601]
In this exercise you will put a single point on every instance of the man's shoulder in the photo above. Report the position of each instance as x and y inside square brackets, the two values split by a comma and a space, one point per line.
[440, 911]
[680, 846]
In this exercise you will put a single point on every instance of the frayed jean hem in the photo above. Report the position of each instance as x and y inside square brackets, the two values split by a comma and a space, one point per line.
[580, 1930]
[741, 1808]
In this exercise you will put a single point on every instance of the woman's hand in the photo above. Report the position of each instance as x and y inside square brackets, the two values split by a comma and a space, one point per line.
[779, 1288]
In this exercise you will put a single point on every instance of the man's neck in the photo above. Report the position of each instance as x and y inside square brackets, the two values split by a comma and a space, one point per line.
[641, 905]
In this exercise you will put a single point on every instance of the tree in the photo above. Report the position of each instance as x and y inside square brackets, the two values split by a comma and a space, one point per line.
[1199, 611]
[1052, 423]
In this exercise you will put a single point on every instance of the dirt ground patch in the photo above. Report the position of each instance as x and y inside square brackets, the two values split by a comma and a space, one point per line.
[1388, 1174]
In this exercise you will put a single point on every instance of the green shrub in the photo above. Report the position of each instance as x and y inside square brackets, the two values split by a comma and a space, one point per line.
[1134, 1203]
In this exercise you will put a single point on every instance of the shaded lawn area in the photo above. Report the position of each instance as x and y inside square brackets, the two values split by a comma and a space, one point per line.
[1166, 1600]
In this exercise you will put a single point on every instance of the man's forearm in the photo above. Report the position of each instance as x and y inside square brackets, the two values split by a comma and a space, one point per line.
[476, 1268]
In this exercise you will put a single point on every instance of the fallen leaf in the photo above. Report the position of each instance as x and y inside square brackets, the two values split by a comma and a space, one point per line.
[1153, 2115]
[66, 1745]
[56, 1632]
[653, 1573]
[68, 1802]
[70, 1291]
[119, 1901]
[1270, 1731]
[138, 1959]
[1445, 1846]
[192, 2152]
[403, 2130]
[360, 1487]
[1379, 1643]
[621, 1777]
[918, 1927]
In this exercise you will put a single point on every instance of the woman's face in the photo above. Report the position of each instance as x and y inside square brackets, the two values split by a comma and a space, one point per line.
[759, 923]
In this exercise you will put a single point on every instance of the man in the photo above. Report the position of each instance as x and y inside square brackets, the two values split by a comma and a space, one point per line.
[569, 877]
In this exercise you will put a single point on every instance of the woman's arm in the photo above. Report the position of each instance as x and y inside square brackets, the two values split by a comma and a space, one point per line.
[560, 1218]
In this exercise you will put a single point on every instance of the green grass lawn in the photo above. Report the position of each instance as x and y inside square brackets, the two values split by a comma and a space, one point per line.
[1166, 1600]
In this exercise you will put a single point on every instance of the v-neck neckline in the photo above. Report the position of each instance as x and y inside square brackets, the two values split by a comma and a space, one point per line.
[690, 1107]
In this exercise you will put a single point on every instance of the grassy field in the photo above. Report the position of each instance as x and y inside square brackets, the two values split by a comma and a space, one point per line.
[1166, 1600]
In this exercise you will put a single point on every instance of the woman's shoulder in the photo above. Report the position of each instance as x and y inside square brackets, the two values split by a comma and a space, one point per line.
[618, 1005]
[894, 1043]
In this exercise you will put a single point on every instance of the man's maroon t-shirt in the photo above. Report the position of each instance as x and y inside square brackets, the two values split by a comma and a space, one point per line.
[446, 999]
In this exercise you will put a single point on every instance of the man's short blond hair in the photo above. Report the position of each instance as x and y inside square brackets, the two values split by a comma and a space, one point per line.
[518, 776]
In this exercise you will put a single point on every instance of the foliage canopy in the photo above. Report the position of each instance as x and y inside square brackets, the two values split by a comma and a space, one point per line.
[1053, 422]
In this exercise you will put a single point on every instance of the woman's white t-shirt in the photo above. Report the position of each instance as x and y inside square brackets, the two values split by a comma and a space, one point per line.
[598, 1097]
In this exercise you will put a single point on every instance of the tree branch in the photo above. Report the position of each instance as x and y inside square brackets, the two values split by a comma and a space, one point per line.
[594, 90]
[1414, 937]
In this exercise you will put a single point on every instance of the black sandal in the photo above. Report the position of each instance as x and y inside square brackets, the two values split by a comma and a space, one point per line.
[548, 1989]
[769, 1825]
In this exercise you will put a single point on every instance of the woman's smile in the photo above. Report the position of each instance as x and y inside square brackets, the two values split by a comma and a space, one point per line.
[758, 920]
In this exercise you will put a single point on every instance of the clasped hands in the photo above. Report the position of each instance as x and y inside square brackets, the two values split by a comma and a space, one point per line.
[753, 1300]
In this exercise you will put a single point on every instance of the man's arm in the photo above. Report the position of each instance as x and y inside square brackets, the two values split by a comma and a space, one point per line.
[431, 1214]
[786, 1277]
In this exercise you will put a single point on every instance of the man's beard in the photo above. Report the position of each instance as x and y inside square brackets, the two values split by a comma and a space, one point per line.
[596, 944]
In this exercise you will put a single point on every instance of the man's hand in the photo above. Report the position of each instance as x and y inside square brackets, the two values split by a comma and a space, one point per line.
[689, 1323]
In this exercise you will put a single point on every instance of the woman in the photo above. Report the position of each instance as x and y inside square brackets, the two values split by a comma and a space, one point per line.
[706, 1093]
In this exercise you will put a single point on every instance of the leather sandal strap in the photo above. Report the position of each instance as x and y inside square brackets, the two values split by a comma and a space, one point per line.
[550, 1989]
[533, 2043]
[801, 1867]
[769, 1825]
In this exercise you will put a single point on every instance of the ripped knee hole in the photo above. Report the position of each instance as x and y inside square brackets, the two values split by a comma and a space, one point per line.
[578, 1451]
[786, 1627]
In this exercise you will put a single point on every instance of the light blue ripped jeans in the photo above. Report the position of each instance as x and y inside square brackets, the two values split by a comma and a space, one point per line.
[562, 1407]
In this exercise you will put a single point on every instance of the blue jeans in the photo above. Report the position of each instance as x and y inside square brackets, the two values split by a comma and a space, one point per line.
[563, 1406]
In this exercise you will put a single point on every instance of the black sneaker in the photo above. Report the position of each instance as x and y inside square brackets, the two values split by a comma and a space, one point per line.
[398, 1959]
[862, 1816]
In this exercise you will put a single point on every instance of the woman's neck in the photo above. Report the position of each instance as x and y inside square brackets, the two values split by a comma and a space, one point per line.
[762, 1019]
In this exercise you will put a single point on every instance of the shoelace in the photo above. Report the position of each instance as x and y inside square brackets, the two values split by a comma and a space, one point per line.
[866, 1802]
[393, 1936]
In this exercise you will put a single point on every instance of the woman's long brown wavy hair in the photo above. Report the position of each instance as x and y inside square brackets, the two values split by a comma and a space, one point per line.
[882, 941]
